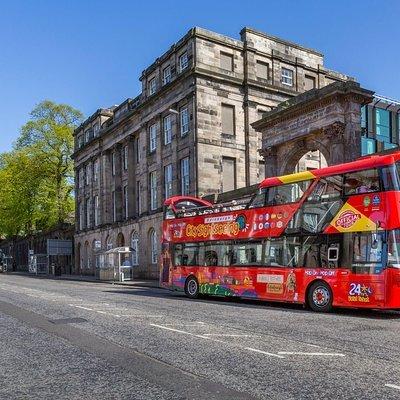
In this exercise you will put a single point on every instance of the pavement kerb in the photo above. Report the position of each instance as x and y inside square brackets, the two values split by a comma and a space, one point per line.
[143, 284]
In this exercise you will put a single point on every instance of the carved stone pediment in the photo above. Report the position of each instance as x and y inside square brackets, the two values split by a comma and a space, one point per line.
[268, 152]
[334, 131]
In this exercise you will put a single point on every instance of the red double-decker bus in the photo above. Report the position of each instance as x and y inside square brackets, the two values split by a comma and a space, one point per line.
[327, 237]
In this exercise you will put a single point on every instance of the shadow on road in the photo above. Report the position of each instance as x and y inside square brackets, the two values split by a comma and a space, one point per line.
[258, 304]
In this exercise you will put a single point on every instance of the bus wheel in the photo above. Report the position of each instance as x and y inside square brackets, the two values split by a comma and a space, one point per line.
[192, 287]
[320, 297]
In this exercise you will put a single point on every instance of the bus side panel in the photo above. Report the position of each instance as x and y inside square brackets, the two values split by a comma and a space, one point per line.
[392, 288]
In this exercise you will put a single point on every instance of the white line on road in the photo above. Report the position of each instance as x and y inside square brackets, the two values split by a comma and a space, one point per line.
[225, 335]
[300, 353]
[214, 340]
[263, 352]
[392, 386]
[83, 308]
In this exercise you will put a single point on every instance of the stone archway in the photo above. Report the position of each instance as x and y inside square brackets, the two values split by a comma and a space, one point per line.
[326, 119]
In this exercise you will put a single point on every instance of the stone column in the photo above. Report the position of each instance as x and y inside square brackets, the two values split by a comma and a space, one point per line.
[335, 134]
[271, 161]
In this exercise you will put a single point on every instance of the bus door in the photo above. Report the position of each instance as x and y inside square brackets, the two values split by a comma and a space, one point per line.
[166, 264]
[280, 278]
[366, 281]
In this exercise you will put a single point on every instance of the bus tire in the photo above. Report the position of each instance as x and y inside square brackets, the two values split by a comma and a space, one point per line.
[319, 297]
[192, 287]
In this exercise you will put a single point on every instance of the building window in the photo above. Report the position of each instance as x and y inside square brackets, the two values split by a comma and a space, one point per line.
[152, 86]
[167, 129]
[81, 178]
[125, 158]
[126, 204]
[167, 75]
[228, 174]
[153, 138]
[137, 147]
[368, 146]
[153, 245]
[96, 167]
[96, 211]
[88, 173]
[364, 119]
[138, 199]
[96, 128]
[81, 215]
[87, 136]
[228, 119]
[88, 209]
[261, 170]
[184, 117]
[153, 190]
[80, 141]
[114, 206]
[382, 118]
[287, 77]
[262, 70]
[113, 163]
[185, 176]
[168, 180]
[135, 248]
[226, 61]
[309, 83]
[183, 61]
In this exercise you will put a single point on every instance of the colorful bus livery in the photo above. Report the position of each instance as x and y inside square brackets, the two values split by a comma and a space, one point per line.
[327, 237]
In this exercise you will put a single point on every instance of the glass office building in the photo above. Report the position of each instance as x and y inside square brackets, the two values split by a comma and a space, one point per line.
[380, 125]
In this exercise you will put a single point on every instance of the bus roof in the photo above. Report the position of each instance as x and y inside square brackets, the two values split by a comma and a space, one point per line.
[357, 165]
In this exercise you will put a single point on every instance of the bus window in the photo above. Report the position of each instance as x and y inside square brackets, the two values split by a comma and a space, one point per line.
[178, 255]
[282, 252]
[247, 253]
[259, 199]
[191, 254]
[327, 189]
[289, 193]
[390, 177]
[367, 253]
[361, 182]
[217, 254]
[394, 248]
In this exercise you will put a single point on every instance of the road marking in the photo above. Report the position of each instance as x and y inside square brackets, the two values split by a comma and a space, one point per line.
[300, 353]
[83, 308]
[214, 340]
[264, 352]
[225, 334]
[392, 386]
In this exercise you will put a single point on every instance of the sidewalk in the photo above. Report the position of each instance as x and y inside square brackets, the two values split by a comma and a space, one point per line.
[139, 282]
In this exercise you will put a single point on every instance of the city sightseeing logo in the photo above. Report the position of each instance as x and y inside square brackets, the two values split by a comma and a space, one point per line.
[347, 219]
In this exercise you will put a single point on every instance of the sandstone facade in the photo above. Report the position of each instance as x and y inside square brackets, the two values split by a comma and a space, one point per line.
[189, 131]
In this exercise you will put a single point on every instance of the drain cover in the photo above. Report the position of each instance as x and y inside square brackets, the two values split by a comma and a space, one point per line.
[62, 321]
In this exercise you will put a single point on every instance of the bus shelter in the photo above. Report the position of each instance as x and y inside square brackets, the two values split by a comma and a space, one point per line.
[115, 264]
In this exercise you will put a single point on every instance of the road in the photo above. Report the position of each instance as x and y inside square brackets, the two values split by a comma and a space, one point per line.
[79, 340]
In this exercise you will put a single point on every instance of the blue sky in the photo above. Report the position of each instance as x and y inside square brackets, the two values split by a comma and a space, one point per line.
[90, 54]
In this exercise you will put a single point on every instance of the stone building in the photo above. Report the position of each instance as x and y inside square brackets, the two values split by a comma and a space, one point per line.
[338, 123]
[188, 132]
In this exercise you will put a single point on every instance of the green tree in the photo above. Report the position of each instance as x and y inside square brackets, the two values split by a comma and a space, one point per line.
[36, 177]
[48, 137]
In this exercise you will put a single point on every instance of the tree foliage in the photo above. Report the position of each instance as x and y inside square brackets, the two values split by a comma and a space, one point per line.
[36, 177]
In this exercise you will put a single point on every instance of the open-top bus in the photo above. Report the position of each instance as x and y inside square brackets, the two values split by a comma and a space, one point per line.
[326, 237]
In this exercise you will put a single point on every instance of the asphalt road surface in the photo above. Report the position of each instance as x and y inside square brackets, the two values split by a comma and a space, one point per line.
[78, 340]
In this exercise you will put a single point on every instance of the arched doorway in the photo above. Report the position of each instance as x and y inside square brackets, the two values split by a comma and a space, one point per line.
[311, 160]
[120, 240]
